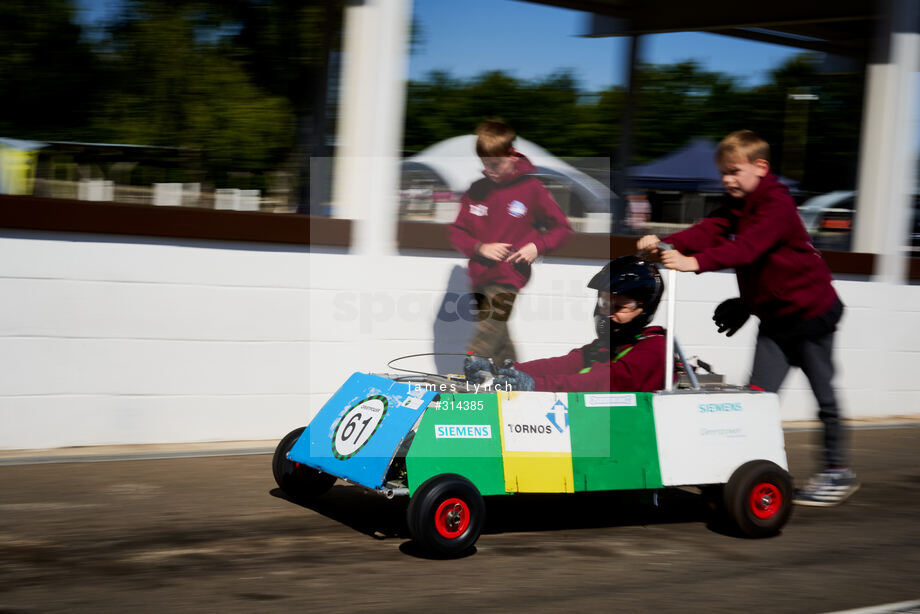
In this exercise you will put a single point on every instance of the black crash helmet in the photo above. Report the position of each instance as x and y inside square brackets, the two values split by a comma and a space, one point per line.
[633, 277]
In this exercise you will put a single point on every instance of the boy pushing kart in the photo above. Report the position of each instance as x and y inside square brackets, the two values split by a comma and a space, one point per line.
[783, 281]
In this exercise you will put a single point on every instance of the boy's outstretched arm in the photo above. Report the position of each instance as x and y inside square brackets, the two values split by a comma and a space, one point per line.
[572, 362]
[766, 226]
[644, 363]
[709, 232]
[673, 259]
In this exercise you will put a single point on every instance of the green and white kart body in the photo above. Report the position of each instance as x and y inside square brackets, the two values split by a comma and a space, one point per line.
[446, 446]
[544, 442]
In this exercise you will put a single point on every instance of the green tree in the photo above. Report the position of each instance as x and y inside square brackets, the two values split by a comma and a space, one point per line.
[47, 71]
[172, 83]
[245, 84]
[544, 111]
[676, 102]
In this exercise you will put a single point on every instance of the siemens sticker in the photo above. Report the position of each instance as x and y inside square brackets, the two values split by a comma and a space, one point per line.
[463, 431]
[711, 408]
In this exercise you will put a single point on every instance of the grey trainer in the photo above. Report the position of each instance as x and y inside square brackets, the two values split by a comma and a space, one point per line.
[830, 487]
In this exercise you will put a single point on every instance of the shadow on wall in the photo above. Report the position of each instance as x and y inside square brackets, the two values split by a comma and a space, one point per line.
[455, 322]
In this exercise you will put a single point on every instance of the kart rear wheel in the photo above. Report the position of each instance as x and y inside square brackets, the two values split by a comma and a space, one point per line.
[758, 498]
[446, 515]
[297, 480]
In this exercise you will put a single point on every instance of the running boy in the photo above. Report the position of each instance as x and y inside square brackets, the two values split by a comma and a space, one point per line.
[783, 281]
[506, 220]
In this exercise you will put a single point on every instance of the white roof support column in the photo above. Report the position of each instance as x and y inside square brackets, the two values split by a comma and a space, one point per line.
[370, 122]
[888, 147]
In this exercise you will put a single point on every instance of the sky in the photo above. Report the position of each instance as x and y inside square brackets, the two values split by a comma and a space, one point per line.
[532, 40]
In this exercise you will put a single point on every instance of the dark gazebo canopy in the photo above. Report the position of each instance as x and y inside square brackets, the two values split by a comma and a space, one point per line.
[690, 169]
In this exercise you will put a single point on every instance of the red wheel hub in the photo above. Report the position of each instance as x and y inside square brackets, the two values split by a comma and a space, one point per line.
[765, 500]
[452, 518]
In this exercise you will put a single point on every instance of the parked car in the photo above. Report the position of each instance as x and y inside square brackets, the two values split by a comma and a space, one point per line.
[829, 217]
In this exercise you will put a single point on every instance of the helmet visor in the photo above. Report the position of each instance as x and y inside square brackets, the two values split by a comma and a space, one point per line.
[609, 303]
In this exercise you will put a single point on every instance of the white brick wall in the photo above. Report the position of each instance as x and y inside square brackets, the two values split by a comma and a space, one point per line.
[110, 340]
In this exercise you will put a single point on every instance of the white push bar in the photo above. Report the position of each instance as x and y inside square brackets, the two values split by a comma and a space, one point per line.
[670, 340]
[669, 328]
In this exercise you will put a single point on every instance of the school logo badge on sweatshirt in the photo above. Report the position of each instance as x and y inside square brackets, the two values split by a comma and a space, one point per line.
[516, 208]
[480, 210]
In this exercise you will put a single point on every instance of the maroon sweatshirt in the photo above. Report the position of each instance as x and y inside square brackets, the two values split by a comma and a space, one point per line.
[636, 367]
[779, 271]
[519, 210]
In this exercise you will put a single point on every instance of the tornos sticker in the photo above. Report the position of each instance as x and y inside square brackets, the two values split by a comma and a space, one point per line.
[357, 426]
[536, 423]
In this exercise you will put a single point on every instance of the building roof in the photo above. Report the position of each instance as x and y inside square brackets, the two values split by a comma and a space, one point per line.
[842, 27]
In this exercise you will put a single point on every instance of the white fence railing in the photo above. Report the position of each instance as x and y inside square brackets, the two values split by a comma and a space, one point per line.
[162, 194]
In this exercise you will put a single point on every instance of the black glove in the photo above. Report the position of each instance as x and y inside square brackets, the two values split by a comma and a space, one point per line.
[512, 379]
[730, 315]
[473, 366]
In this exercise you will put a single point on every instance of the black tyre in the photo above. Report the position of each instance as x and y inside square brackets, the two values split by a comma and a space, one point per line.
[758, 498]
[446, 515]
[296, 480]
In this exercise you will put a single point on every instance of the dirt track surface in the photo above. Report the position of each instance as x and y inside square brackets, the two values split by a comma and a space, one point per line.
[214, 534]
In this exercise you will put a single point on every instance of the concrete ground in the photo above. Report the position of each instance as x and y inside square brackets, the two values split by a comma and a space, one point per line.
[212, 533]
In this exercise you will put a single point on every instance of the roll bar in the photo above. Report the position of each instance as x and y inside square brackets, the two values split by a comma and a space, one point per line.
[671, 344]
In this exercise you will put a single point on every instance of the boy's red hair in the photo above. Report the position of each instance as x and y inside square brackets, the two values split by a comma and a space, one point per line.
[493, 139]
[744, 144]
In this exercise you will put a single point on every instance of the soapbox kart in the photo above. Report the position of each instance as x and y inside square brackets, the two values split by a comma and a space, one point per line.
[447, 445]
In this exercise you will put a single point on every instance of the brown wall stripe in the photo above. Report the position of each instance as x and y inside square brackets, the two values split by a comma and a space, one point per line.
[61, 215]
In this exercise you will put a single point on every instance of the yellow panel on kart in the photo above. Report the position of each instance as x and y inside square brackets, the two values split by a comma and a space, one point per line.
[536, 446]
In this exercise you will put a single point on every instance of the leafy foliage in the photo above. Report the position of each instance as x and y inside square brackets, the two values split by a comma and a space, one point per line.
[242, 86]
[673, 104]
[48, 75]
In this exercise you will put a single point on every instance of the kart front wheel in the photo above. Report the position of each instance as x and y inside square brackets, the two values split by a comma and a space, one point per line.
[758, 497]
[296, 480]
[446, 515]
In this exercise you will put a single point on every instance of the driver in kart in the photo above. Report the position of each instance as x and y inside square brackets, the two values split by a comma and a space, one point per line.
[627, 355]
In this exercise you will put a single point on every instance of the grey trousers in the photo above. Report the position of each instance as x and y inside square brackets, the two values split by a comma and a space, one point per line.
[772, 359]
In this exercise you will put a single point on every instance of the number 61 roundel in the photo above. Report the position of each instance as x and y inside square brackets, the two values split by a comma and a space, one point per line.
[355, 428]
